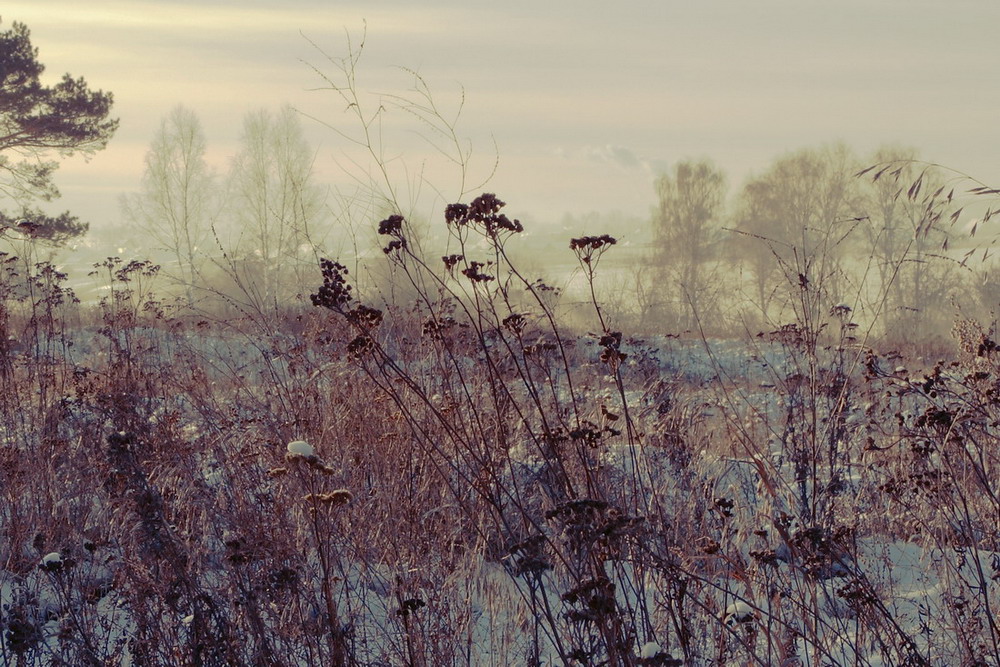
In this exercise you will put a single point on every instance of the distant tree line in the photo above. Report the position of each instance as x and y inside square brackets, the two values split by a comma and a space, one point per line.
[806, 236]
[882, 243]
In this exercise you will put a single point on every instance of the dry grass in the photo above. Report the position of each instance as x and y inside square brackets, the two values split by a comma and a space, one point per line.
[485, 486]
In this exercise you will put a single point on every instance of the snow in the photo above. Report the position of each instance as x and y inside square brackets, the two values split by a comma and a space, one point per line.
[911, 580]
[649, 650]
[738, 612]
[51, 560]
[300, 448]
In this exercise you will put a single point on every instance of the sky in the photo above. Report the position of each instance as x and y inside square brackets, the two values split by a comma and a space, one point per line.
[578, 104]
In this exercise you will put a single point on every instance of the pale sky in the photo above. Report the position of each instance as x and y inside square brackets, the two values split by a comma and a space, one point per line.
[585, 100]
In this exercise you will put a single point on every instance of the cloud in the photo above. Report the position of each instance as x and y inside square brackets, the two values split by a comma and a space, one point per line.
[614, 155]
[617, 155]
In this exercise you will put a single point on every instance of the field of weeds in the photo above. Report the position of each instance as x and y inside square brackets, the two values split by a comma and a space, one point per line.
[462, 480]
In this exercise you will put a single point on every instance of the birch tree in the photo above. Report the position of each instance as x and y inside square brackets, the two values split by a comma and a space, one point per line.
[176, 203]
[794, 225]
[277, 210]
[686, 231]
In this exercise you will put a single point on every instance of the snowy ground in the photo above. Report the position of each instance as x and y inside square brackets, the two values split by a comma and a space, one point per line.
[859, 608]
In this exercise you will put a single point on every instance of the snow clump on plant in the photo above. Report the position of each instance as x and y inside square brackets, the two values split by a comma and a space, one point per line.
[301, 448]
[52, 561]
[738, 612]
[649, 650]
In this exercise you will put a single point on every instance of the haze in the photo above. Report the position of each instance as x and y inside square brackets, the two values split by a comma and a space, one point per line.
[586, 101]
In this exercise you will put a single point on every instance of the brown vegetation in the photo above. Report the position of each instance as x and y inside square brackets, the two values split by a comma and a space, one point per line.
[464, 480]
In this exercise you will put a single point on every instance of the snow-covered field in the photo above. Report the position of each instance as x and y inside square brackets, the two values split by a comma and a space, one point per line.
[190, 495]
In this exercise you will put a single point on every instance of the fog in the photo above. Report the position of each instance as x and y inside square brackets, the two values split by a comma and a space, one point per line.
[585, 102]
[576, 139]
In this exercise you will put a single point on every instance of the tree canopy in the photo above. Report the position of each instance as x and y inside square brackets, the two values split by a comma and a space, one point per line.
[686, 229]
[39, 123]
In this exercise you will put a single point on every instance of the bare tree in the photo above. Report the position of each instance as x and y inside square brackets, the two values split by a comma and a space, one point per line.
[276, 209]
[794, 221]
[176, 204]
[686, 229]
[915, 275]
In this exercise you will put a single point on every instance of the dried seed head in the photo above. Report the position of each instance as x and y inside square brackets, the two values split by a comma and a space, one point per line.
[337, 497]
[391, 226]
[334, 293]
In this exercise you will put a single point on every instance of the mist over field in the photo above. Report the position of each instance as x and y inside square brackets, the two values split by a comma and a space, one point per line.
[545, 335]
